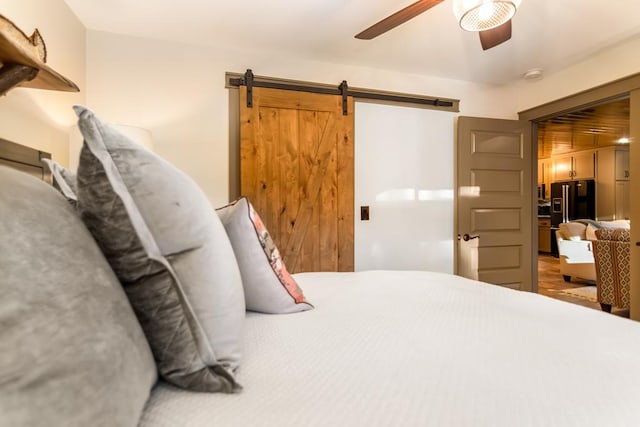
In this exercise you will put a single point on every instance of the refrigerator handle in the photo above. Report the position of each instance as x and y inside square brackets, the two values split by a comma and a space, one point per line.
[565, 203]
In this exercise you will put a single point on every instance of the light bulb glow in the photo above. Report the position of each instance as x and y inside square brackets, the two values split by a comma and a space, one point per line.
[486, 11]
[482, 15]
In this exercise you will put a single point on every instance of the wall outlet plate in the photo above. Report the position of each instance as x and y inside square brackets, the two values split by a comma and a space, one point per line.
[364, 213]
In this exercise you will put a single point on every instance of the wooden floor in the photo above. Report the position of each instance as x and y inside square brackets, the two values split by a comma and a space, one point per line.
[550, 280]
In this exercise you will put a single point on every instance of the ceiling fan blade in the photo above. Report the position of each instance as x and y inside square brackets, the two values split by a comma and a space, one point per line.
[397, 18]
[495, 36]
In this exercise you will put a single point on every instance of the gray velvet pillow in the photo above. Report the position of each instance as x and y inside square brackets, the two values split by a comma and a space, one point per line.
[64, 180]
[268, 286]
[169, 251]
[71, 350]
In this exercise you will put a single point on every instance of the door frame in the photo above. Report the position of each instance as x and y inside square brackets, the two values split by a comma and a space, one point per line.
[627, 87]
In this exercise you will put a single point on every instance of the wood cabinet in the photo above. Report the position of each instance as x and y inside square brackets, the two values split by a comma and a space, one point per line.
[544, 235]
[622, 165]
[623, 200]
[609, 166]
[584, 165]
[541, 171]
[613, 184]
[545, 176]
[562, 168]
[578, 165]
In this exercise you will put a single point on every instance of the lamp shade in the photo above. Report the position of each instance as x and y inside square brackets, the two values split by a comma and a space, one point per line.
[136, 134]
[481, 15]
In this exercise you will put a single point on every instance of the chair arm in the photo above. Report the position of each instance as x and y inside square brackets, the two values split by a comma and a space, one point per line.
[576, 251]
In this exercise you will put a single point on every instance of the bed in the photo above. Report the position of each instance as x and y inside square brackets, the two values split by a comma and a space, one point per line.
[390, 348]
[372, 348]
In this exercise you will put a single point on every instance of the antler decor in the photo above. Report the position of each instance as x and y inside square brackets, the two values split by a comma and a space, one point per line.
[23, 61]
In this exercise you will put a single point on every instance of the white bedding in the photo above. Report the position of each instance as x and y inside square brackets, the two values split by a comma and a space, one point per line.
[386, 348]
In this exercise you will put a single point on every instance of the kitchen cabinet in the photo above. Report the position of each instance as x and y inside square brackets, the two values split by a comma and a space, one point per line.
[544, 234]
[540, 171]
[622, 165]
[577, 165]
[562, 168]
[623, 200]
[613, 183]
[545, 176]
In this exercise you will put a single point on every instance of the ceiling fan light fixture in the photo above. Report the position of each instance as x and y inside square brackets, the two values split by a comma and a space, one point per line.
[482, 15]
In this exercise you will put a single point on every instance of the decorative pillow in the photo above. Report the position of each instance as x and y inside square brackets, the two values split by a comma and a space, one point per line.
[64, 180]
[619, 223]
[71, 350]
[268, 286]
[170, 253]
[570, 229]
[591, 232]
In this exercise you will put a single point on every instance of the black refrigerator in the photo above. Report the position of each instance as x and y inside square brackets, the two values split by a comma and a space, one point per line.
[571, 200]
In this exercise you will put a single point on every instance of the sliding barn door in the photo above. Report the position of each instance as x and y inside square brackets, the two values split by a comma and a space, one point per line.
[296, 168]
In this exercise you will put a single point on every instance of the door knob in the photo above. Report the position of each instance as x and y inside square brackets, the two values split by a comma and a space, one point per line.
[466, 237]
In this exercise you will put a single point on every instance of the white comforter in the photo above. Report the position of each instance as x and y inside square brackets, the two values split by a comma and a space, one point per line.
[386, 348]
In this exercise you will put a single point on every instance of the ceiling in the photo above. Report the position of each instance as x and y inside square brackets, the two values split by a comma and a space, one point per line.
[594, 127]
[547, 34]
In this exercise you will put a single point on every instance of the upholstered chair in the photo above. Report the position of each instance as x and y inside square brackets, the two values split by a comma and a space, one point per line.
[612, 251]
[576, 255]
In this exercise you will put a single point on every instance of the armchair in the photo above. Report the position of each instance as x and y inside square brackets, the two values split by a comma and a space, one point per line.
[612, 253]
[576, 255]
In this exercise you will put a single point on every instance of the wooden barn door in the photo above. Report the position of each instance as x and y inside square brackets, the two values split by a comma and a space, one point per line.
[296, 168]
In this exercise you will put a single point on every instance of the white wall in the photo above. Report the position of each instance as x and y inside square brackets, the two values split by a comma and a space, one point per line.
[41, 118]
[404, 173]
[177, 92]
[604, 67]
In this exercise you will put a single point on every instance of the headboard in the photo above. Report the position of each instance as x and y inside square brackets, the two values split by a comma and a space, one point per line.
[25, 159]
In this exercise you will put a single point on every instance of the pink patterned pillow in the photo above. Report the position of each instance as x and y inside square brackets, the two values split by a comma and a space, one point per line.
[268, 286]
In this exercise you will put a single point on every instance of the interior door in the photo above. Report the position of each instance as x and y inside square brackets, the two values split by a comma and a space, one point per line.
[296, 168]
[494, 201]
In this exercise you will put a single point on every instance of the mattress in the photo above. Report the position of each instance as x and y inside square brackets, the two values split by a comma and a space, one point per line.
[389, 348]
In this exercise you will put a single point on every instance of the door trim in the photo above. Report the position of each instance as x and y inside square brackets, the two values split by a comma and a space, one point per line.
[617, 89]
[626, 87]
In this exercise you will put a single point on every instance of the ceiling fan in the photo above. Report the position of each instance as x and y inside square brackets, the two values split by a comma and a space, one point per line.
[490, 18]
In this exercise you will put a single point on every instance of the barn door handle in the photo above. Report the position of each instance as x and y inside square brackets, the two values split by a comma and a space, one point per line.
[466, 237]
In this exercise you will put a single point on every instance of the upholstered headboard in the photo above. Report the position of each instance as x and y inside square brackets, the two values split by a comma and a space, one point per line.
[25, 159]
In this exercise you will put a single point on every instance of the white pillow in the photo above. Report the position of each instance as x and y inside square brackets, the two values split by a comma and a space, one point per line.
[591, 232]
[64, 180]
[172, 256]
[268, 286]
[619, 223]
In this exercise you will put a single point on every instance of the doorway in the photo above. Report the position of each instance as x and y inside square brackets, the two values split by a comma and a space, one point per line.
[595, 125]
